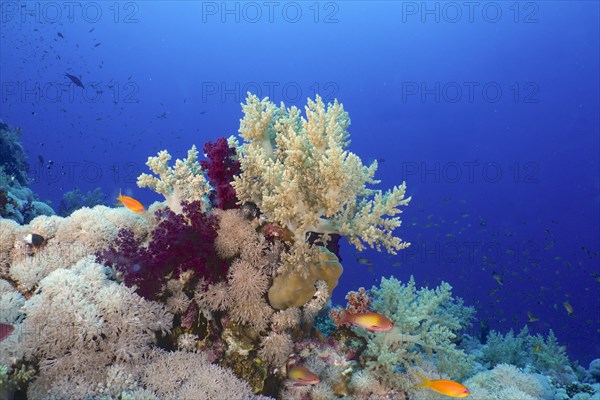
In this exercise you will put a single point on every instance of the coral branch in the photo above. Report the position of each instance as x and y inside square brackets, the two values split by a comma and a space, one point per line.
[299, 173]
[185, 181]
[221, 167]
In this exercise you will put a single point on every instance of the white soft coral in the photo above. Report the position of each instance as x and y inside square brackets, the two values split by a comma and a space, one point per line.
[184, 181]
[80, 322]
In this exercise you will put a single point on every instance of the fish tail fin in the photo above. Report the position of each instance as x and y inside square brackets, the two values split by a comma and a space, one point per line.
[424, 382]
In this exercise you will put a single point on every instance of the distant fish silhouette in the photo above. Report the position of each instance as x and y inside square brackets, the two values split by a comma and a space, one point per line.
[97, 44]
[531, 318]
[568, 307]
[498, 278]
[60, 35]
[75, 80]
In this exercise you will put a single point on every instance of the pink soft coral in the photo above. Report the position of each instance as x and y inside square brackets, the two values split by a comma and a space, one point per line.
[220, 168]
[179, 243]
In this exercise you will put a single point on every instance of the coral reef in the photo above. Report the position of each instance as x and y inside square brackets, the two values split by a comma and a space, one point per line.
[594, 369]
[223, 289]
[14, 379]
[12, 155]
[76, 199]
[17, 201]
[245, 288]
[539, 353]
[290, 289]
[188, 376]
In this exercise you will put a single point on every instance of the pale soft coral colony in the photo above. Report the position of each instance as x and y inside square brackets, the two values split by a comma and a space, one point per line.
[299, 173]
[216, 292]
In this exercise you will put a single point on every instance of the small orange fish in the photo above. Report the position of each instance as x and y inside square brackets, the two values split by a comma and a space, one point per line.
[302, 376]
[5, 330]
[131, 203]
[449, 388]
[370, 321]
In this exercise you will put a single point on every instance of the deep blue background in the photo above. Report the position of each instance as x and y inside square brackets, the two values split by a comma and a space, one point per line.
[504, 178]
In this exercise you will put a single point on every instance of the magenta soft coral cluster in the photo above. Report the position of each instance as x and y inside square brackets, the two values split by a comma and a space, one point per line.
[179, 243]
[221, 166]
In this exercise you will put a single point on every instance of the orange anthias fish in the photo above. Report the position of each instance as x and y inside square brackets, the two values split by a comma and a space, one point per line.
[5, 330]
[370, 321]
[131, 203]
[449, 388]
[302, 376]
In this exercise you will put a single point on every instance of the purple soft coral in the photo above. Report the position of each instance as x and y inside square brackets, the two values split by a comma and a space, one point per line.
[221, 167]
[179, 243]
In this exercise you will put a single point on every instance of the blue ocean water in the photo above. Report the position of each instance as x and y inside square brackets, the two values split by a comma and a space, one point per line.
[488, 110]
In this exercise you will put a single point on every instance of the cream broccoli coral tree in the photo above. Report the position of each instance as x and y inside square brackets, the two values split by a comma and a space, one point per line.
[184, 181]
[298, 172]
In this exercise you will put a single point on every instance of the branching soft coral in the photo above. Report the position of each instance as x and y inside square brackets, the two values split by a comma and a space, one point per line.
[543, 354]
[426, 323]
[76, 199]
[12, 155]
[179, 243]
[298, 172]
[221, 167]
[184, 182]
